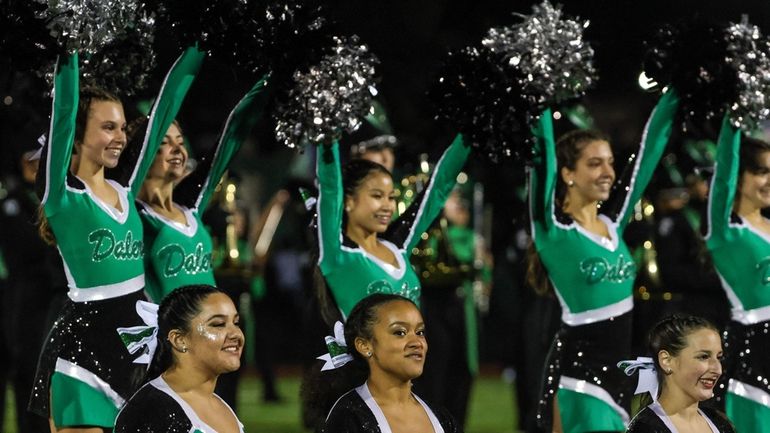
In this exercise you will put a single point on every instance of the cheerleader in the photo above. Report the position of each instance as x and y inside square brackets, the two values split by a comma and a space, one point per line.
[85, 372]
[738, 238]
[360, 251]
[387, 343]
[686, 359]
[178, 245]
[198, 338]
[579, 248]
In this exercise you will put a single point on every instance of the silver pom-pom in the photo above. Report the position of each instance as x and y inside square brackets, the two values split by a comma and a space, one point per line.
[331, 98]
[748, 54]
[88, 25]
[548, 50]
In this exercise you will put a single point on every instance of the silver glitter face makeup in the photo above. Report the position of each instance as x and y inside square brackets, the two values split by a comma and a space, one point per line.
[205, 333]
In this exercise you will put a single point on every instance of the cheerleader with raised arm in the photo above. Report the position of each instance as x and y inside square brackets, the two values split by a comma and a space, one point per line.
[171, 201]
[85, 373]
[738, 239]
[360, 251]
[579, 251]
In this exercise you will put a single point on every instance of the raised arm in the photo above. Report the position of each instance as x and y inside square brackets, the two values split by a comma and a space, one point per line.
[172, 93]
[542, 177]
[57, 152]
[406, 231]
[196, 190]
[724, 182]
[654, 139]
[330, 200]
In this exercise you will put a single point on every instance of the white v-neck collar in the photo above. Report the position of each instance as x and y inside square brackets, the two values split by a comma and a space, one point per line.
[119, 216]
[366, 396]
[755, 230]
[197, 423]
[396, 273]
[610, 243]
[657, 409]
[188, 229]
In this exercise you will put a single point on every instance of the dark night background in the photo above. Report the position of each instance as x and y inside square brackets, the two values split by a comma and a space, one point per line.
[410, 38]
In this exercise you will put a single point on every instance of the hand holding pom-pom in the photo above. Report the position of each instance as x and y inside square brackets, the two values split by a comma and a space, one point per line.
[330, 98]
[86, 26]
[495, 92]
[715, 70]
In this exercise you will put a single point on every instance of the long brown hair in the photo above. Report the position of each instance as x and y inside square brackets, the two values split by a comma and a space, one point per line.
[87, 96]
[569, 148]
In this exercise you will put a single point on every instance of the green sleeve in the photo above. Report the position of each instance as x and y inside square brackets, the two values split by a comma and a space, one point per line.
[239, 123]
[724, 181]
[440, 186]
[330, 202]
[542, 177]
[165, 109]
[58, 154]
[654, 139]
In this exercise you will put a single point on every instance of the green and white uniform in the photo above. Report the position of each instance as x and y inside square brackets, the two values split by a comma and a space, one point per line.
[741, 255]
[85, 366]
[593, 278]
[180, 254]
[350, 272]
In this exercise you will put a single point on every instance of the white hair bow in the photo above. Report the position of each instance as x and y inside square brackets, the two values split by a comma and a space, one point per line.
[648, 376]
[338, 349]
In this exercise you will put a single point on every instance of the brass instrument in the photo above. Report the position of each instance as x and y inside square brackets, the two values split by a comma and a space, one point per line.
[232, 264]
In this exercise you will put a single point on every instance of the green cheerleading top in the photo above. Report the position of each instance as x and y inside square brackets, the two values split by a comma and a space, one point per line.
[179, 254]
[593, 276]
[350, 272]
[741, 253]
[101, 247]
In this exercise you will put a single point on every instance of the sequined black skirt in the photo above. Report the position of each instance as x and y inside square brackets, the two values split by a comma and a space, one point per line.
[591, 353]
[747, 357]
[86, 334]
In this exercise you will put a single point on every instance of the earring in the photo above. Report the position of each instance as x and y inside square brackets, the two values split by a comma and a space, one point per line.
[184, 349]
[368, 354]
[571, 183]
[668, 371]
[347, 208]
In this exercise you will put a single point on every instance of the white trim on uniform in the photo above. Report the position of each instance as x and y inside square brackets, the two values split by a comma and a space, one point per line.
[396, 273]
[188, 229]
[425, 199]
[583, 387]
[738, 313]
[195, 420]
[595, 315]
[750, 392]
[108, 291]
[658, 410]
[150, 124]
[366, 396]
[75, 371]
[114, 213]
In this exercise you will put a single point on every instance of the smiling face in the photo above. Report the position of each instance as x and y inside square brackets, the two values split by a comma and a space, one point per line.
[695, 370]
[104, 137]
[398, 346]
[171, 159]
[755, 184]
[372, 204]
[215, 341]
[593, 174]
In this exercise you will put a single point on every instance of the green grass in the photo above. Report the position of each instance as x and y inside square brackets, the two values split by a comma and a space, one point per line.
[491, 409]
